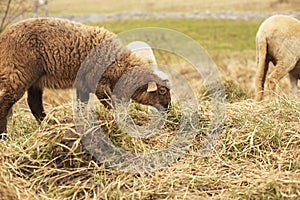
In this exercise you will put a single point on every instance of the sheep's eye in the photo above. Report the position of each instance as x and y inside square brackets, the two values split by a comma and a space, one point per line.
[162, 91]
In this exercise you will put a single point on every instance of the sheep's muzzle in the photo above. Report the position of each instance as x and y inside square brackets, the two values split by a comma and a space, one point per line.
[162, 107]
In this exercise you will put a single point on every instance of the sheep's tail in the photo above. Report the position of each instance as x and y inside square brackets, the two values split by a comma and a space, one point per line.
[263, 65]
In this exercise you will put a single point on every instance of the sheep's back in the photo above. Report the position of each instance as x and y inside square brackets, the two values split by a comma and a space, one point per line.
[54, 47]
[282, 34]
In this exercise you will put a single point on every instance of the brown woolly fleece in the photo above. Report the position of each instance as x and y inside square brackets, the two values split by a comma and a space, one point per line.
[48, 53]
[278, 41]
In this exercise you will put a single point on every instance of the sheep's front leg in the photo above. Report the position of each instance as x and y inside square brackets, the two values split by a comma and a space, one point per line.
[35, 102]
[103, 93]
[281, 69]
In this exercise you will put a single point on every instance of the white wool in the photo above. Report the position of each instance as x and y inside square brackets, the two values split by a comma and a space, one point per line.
[278, 38]
[143, 50]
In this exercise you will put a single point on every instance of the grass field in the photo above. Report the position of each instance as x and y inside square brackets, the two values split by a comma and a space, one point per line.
[216, 36]
[256, 157]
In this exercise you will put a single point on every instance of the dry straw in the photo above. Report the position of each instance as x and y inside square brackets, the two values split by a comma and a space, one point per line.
[257, 157]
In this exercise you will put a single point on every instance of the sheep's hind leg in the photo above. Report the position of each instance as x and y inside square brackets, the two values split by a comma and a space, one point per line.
[35, 102]
[260, 80]
[279, 72]
[294, 76]
[4, 112]
[7, 100]
[294, 85]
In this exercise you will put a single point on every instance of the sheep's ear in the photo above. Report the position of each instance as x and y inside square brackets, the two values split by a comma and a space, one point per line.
[152, 87]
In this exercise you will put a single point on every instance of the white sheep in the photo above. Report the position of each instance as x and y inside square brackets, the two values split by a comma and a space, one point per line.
[278, 41]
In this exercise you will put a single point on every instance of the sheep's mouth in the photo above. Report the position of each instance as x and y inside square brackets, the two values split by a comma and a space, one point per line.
[161, 107]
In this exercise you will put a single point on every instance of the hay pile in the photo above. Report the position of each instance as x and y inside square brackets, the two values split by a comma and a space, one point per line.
[257, 157]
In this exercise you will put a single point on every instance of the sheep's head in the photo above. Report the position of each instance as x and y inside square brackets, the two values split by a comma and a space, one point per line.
[154, 94]
[143, 86]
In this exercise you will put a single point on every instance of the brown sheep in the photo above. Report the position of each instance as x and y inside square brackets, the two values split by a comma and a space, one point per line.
[278, 41]
[48, 52]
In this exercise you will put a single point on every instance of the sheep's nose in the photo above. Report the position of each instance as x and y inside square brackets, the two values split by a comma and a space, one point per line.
[162, 107]
[166, 107]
